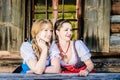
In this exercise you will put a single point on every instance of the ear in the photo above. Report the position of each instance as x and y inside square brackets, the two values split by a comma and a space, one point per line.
[57, 32]
[37, 36]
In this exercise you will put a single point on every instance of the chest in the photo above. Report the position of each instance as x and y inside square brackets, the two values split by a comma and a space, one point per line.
[69, 59]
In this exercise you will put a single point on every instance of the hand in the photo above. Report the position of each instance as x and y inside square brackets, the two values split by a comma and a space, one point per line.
[83, 73]
[42, 44]
[30, 72]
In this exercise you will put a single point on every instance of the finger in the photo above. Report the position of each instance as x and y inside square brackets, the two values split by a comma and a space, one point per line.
[82, 74]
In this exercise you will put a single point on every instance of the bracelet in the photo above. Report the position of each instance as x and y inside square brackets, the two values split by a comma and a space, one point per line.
[87, 70]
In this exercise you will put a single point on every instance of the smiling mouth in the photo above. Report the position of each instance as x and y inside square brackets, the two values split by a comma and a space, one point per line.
[68, 36]
[48, 38]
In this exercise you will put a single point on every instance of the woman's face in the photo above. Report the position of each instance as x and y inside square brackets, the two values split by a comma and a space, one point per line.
[65, 32]
[45, 34]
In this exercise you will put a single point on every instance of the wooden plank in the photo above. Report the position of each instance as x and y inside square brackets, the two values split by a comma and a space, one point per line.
[115, 43]
[115, 28]
[106, 64]
[102, 63]
[73, 76]
[5, 11]
[97, 25]
[89, 18]
[3, 37]
[12, 22]
[18, 21]
[115, 7]
[115, 49]
[115, 19]
[4, 53]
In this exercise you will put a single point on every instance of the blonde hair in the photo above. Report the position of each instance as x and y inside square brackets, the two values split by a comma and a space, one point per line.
[38, 26]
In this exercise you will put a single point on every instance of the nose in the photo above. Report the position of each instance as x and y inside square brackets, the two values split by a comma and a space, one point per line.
[50, 33]
[70, 32]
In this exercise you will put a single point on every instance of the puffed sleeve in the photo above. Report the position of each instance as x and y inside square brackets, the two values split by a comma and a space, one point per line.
[26, 51]
[82, 50]
[54, 51]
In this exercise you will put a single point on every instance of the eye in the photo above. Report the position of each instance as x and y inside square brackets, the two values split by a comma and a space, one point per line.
[66, 29]
[51, 30]
[45, 30]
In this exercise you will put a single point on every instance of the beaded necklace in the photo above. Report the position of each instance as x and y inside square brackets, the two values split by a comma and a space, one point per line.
[61, 50]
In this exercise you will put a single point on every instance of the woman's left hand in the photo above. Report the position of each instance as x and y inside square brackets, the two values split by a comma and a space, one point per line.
[83, 73]
[89, 68]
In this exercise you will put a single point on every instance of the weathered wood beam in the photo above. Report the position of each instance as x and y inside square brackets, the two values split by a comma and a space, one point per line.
[4, 53]
[12, 14]
[115, 19]
[97, 25]
[107, 64]
[115, 8]
[115, 28]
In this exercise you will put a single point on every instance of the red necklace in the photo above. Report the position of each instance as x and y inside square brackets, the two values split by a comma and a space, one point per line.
[61, 50]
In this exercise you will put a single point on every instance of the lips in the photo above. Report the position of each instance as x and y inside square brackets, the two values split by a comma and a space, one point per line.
[48, 38]
[69, 36]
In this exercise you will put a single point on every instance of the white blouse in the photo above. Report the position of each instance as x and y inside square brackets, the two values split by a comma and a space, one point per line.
[27, 52]
[82, 50]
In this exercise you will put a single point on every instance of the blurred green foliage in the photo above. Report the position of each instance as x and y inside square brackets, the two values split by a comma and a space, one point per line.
[69, 11]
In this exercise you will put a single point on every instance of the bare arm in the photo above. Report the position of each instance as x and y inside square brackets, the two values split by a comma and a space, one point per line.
[38, 67]
[89, 65]
[55, 66]
[88, 69]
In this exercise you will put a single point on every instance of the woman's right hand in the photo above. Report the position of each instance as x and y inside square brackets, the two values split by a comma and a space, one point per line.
[42, 44]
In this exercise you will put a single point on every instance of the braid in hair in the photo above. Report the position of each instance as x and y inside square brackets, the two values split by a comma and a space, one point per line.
[38, 26]
[36, 48]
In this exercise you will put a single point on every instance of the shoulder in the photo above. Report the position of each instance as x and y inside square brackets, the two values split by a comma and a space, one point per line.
[26, 51]
[79, 42]
[54, 50]
[26, 45]
[54, 47]
[82, 50]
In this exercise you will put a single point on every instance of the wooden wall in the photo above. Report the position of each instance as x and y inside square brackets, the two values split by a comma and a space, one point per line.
[12, 23]
[115, 27]
[101, 20]
[97, 24]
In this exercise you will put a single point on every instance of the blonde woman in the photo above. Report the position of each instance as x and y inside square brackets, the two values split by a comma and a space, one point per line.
[35, 54]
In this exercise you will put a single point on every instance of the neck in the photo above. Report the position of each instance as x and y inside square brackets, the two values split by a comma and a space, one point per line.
[64, 47]
[63, 43]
